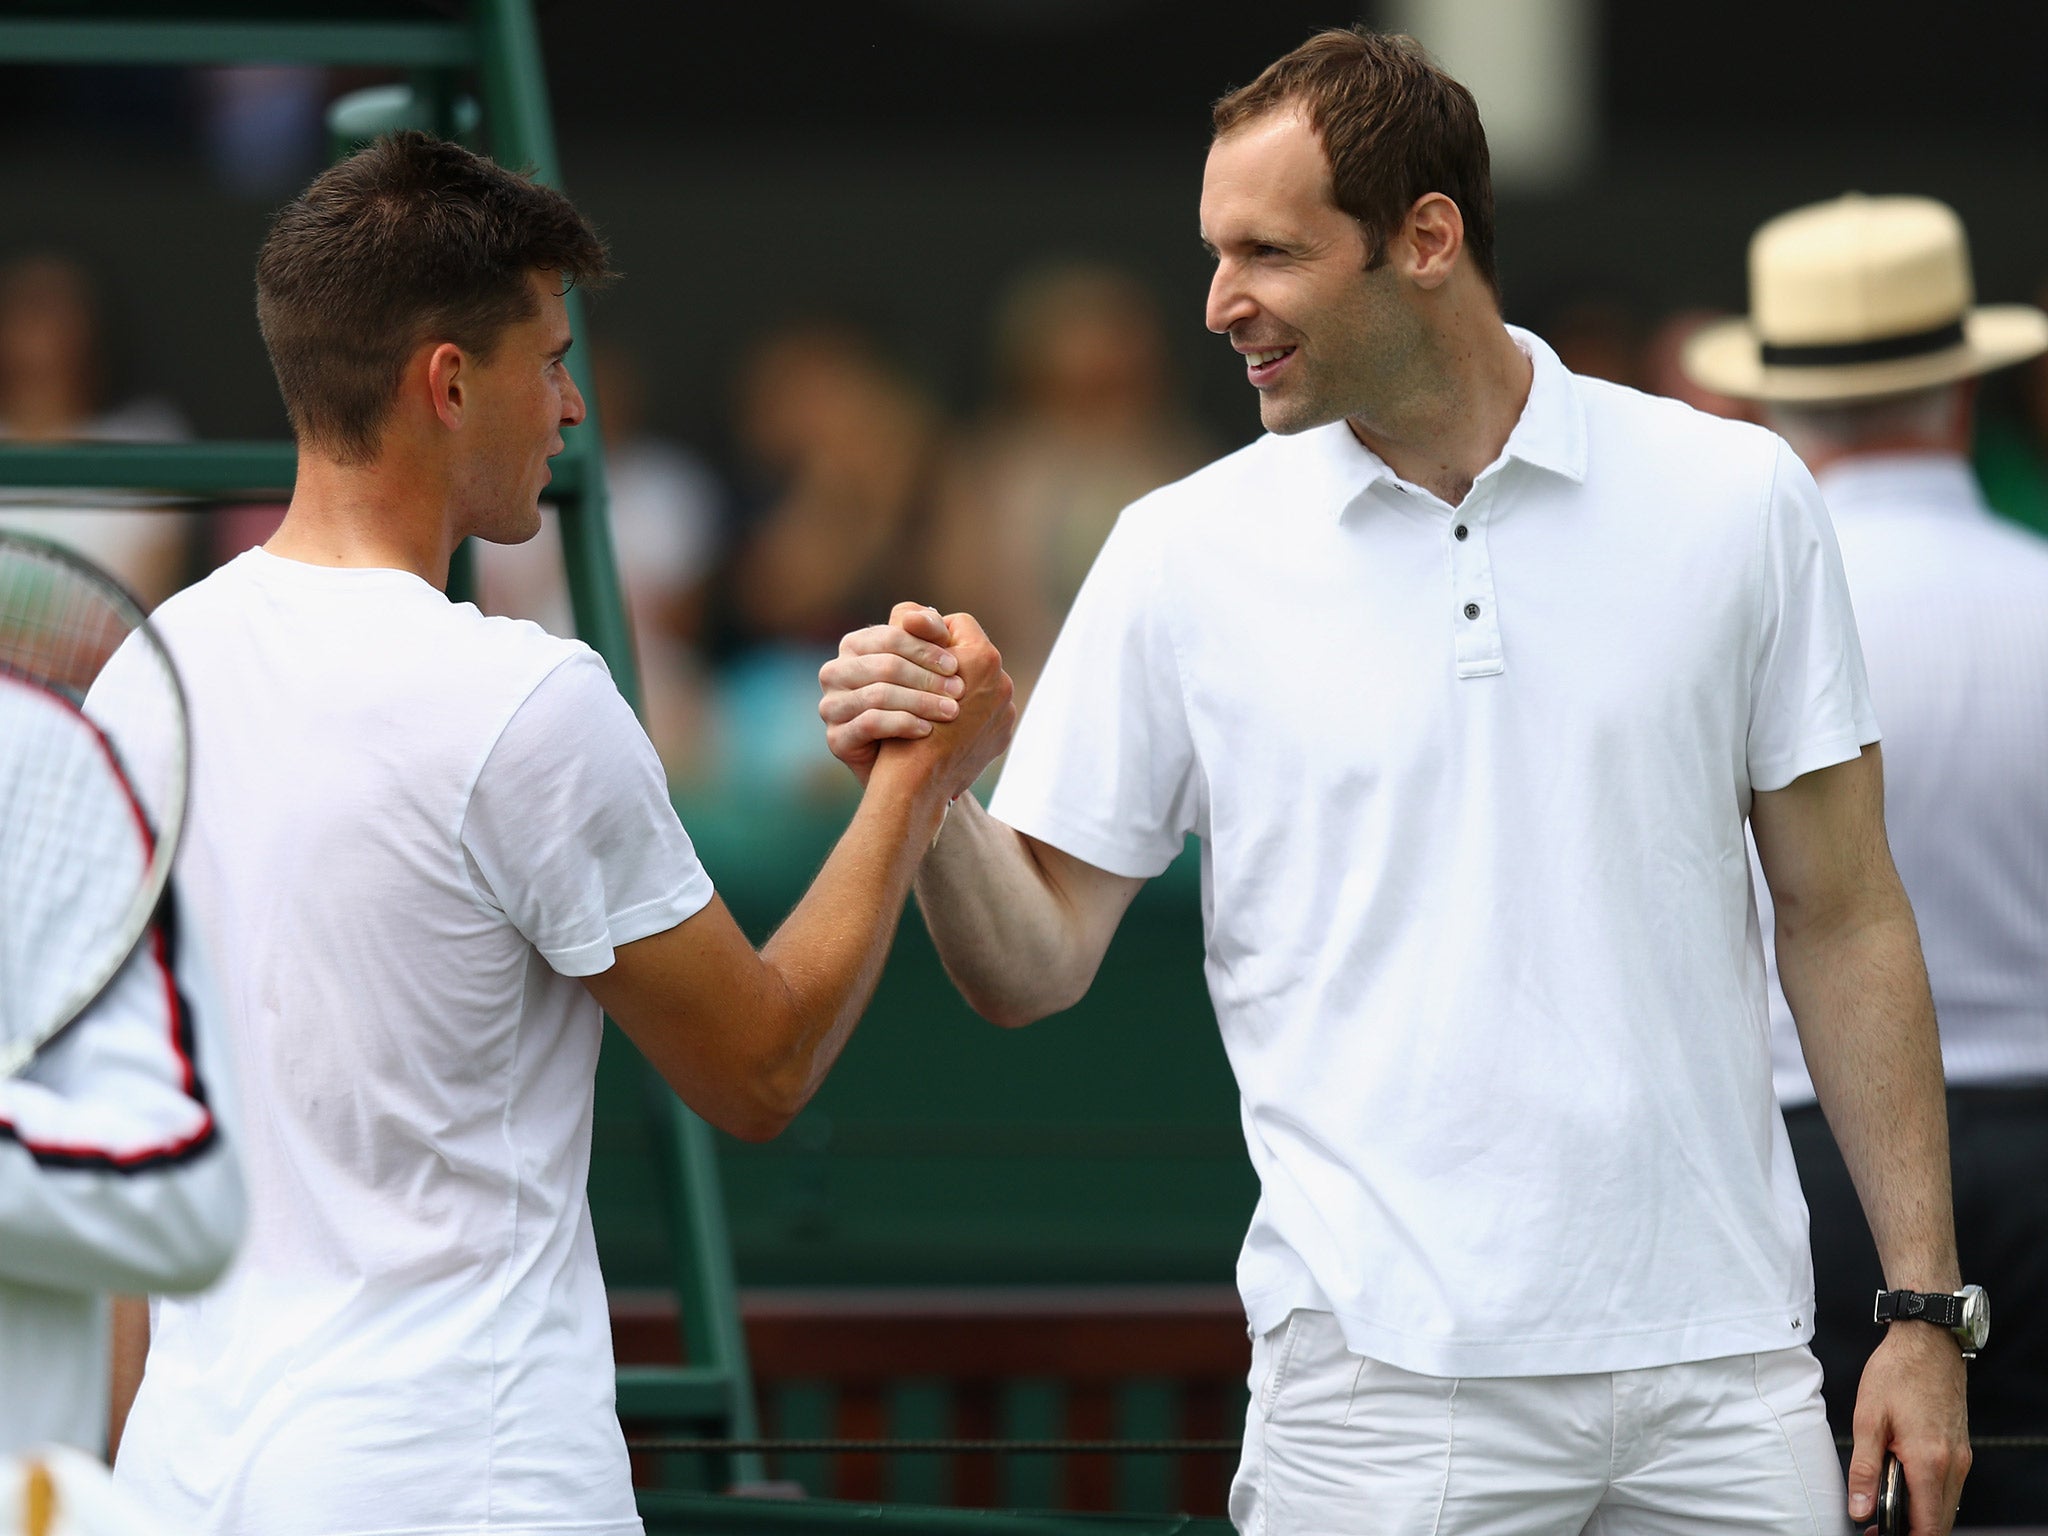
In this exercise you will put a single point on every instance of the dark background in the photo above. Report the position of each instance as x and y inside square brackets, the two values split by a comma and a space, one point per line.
[897, 162]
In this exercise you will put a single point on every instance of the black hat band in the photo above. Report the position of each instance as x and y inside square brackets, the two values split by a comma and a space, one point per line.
[1885, 349]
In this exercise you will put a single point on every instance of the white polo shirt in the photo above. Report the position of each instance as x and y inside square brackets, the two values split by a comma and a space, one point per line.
[1952, 603]
[1471, 786]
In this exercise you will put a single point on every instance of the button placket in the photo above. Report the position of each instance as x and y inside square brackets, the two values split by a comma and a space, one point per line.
[1475, 619]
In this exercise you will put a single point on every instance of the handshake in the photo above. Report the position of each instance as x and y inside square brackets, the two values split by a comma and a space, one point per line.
[922, 695]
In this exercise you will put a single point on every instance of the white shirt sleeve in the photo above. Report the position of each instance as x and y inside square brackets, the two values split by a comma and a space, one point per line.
[1103, 765]
[1809, 699]
[570, 832]
[114, 1171]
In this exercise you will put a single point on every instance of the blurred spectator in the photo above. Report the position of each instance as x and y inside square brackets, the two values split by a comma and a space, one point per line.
[839, 450]
[52, 389]
[1664, 371]
[666, 509]
[1084, 423]
[845, 445]
[2012, 446]
[1952, 607]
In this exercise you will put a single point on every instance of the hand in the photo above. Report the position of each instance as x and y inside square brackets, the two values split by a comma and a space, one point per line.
[1910, 1402]
[890, 681]
[950, 757]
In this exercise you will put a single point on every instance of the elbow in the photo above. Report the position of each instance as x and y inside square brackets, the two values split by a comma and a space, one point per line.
[772, 1095]
[1006, 1014]
[1013, 1001]
[198, 1235]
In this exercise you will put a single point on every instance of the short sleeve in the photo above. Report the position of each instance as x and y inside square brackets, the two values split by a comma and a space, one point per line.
[1809, 701]
[1103, 765]
[570, 832]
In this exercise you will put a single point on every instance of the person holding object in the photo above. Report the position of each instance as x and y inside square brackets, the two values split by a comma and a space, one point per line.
[115, 1178]
[427, 847]
[1468, 676]
[1863, 345]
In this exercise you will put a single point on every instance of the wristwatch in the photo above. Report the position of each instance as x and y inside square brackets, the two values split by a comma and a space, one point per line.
[1966, 1313]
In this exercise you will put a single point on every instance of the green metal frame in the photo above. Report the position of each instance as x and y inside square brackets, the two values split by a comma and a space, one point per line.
[499, 46]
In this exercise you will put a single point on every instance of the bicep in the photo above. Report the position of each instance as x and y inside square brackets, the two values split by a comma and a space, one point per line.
[1092, 900]
[1821, 838]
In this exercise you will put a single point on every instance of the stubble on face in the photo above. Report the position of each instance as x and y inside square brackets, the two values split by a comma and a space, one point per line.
[522, 424]
[1295, 270]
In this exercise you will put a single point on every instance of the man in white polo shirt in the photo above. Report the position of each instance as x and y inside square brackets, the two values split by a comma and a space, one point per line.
[1952, 603]
[1468, 677]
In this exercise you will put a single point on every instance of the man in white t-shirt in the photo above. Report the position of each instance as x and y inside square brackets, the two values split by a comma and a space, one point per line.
[426, 846]
[1468, 677]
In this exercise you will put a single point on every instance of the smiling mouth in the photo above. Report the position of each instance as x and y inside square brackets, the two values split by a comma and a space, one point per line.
[1263, 363]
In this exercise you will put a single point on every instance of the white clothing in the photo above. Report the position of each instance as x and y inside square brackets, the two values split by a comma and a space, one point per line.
[1471, 786]
[114, 1177]
[1337, 1445]
[412, 828]
[1952, 604]
[85, 1500]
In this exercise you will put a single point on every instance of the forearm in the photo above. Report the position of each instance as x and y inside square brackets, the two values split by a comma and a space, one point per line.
[828, 954]
[1011, 942]
[1858, 989]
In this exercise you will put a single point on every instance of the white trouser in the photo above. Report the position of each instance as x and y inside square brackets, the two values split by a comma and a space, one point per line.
[1336, 1444]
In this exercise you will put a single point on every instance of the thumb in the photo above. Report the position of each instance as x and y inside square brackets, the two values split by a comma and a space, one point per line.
[965, 628]
[1863, 1470]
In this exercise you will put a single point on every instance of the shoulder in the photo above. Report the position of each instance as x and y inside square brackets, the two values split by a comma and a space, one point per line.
[1262, 471]
[512, 658]
[1648, 429]
[1721, 480]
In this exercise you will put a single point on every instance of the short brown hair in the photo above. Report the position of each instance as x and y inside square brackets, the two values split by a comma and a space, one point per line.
[1394, 128]
[410, 239]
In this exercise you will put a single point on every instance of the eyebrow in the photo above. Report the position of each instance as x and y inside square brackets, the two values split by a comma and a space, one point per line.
[563, 350]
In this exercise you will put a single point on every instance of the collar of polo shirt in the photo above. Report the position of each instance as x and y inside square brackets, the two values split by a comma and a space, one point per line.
[1550, 435]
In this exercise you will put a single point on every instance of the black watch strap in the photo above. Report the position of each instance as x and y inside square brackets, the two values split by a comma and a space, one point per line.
[1919, 1306]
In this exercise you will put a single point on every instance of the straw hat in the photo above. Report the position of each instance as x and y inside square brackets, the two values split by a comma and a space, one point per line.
[1856, 298]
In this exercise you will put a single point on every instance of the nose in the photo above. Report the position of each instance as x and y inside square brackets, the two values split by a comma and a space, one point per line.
[573, 408]
[1228, 301]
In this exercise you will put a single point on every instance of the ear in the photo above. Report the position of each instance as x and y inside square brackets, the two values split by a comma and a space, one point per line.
[1430, 240]
[447, 377]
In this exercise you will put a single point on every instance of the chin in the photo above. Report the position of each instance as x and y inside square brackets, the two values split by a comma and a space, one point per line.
[516, 528]
[1284, 418]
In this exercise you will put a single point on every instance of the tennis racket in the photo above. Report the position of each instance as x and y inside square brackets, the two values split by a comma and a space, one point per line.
[85, 849]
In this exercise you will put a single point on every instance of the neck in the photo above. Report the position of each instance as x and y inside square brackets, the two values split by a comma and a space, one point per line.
[1452, 411]
[386, 514]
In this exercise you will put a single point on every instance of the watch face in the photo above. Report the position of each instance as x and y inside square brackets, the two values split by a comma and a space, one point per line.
[1976, 1324]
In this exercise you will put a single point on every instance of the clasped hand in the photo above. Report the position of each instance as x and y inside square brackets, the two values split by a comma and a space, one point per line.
[921, 684]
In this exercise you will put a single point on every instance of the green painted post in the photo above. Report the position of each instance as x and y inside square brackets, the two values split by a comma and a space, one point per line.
[515, 97]
[515, 93]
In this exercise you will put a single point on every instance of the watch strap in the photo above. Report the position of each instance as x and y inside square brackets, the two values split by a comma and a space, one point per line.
[1919, 1306]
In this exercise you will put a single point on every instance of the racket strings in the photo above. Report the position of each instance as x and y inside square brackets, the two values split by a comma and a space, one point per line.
[80, 867]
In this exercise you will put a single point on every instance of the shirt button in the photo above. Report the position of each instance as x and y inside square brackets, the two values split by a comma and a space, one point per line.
[1460, 532]
[1471, 610]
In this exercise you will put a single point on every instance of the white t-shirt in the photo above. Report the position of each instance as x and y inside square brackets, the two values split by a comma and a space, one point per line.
[1471, 786]
[412, 828]
[1952, 604]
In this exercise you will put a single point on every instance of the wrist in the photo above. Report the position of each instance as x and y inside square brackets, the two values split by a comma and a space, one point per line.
[901, 777]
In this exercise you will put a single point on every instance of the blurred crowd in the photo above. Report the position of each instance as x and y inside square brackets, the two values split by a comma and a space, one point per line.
[844, 483]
